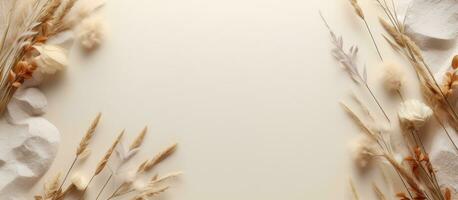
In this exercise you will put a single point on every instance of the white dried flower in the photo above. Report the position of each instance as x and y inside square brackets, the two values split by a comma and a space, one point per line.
[362, 151]
[51, 58]
[91, 32]
[414, 114]
[79, 181]
[393, 77]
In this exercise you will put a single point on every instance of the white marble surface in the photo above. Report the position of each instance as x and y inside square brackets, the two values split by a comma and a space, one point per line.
[247, 87]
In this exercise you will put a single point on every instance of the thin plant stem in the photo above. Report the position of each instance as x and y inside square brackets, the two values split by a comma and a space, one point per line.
[394, 168]
[104, 185]
[376, 101]
[85, 189]
[68, 172]
[446, 132]
[113, 194]
[431, 177]
[373, 39]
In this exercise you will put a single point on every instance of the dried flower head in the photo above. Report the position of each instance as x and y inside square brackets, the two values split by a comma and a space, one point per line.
[52, 58]
[413, 114]
[362, 151]
[79, 181]
[393, 77]
[91, 32]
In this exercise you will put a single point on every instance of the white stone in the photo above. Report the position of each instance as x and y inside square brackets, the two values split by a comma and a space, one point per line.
[28, 144]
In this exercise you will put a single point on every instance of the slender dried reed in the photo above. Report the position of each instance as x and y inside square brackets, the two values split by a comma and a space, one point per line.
[148, 165]
[82, 149]
[139, 139]
[360, 14]
[348, 60]
[53, 189]
[134, 146]
[103, 162]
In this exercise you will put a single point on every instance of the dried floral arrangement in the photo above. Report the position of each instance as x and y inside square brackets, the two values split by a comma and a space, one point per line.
[399, 154]
[131, 183]
[30, 31]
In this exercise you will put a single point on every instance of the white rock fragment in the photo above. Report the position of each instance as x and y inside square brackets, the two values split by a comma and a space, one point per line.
[33, 100]
[28, 144]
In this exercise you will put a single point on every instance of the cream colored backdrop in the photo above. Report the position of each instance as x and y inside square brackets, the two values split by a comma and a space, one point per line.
[247, 87]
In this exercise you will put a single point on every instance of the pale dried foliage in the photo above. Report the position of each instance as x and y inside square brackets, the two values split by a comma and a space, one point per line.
[348, 60]
[80, 183]
[409, 159]
[25, 28]
[148, 165]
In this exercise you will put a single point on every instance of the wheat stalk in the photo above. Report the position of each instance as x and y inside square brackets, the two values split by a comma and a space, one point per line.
[360, 14]
[149, 164]
[348, 60]
[108, 154]
[139, 139]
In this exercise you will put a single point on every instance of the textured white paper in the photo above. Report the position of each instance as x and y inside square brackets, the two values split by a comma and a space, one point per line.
[445, 159]
[433, 18]
[433, 25]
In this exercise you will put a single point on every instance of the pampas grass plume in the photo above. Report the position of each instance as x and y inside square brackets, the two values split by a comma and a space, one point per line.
[393, 77]
[361, 150]
[91, 32]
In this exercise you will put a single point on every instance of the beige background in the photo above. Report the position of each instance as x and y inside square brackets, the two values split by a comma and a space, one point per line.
[247, 87]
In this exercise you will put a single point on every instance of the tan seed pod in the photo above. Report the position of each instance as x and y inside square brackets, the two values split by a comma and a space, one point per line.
[357, 8]
[160, 157]
[88, 136]
[393, 32]
[12, 76]
[455, 62]
[139, 139]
